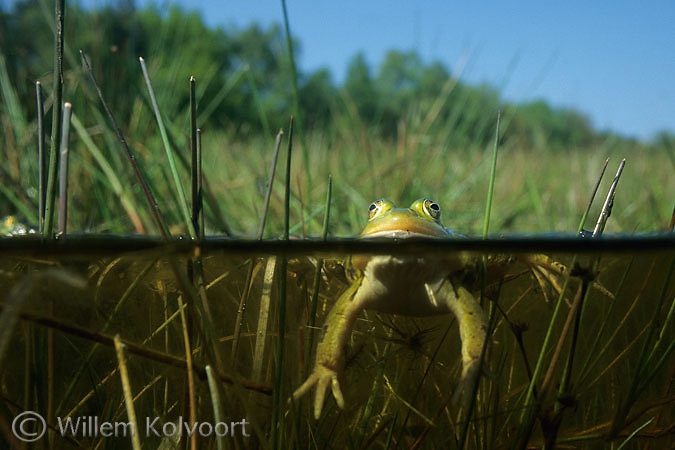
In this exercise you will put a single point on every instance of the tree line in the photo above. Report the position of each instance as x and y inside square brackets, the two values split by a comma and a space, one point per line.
[246, 83]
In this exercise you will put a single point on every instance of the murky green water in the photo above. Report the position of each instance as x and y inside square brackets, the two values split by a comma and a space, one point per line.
[606, 373]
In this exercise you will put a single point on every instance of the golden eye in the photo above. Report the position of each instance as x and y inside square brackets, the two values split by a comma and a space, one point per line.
[432, 209]
[378, 207]
[374, 208]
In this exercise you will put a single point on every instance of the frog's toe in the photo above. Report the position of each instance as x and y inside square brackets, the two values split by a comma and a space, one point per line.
[322, 378]
[326, 377]
[305, 387]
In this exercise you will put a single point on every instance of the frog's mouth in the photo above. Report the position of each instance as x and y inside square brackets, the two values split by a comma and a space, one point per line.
[403, 226]
[404, 234]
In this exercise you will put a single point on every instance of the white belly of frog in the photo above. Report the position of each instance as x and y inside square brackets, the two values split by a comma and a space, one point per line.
[406, 286]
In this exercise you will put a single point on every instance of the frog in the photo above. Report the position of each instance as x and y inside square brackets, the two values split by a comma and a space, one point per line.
[405, 285]
[417, 286]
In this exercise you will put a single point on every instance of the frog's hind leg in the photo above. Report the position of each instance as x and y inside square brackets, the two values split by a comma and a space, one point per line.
[330, 353]
[473, 327]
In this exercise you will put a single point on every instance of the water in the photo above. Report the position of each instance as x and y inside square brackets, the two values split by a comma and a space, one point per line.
[604, 374]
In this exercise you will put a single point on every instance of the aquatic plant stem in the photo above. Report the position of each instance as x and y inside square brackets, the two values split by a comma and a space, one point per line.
[182, 200]
[215, 404]
[126, 389]
[278, 402]
[319, 264]
[57, 94]
[493, 174]
[609, 202]
[270, 183]
[287, 191]
[63, 169]
[152, 202]
[185, 326]
[594, 192]
[249, 276]
[297, 112]
[196, 166]
[42, 157]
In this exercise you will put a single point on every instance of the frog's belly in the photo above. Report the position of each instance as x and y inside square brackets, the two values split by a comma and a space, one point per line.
[407, 286]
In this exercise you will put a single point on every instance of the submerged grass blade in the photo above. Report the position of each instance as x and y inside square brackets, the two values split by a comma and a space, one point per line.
[263, 318]
[178, 185]
[319, 264]
[645, 366]
[11, 310]
[126, 389]
[185, 327]
[261, 229]
[215, 404]
[278, 417]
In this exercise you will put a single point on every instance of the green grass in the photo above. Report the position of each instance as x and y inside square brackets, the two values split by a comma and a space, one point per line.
[535, 189]
[226, 336]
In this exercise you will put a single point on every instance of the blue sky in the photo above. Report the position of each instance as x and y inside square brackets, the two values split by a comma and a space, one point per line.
[612, 61]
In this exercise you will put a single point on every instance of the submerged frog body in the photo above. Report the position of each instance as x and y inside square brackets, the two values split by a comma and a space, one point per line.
[406, 285]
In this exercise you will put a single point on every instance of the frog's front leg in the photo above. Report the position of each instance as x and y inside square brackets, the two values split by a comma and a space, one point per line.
[473, 326]
[330, 353]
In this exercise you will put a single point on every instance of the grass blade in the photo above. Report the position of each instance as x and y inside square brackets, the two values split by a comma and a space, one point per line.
[189, 369]
[196, 167]
[609, 202]
[590, 201]
[126, 198]
[493, 174]
[287, 191]
[215, 404]
[278, 402]
[63, 169]
[57, 75]
[126, 389]
[319, 264]
[42, 158]
[163, 228]
[270, 183]
[182, 200]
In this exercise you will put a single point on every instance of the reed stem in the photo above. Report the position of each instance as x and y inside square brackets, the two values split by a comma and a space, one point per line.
[63, 169]
[57, 76]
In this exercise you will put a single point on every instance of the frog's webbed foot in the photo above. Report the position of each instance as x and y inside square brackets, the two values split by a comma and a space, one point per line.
[548, 271]
[322, 377]
[329, 365]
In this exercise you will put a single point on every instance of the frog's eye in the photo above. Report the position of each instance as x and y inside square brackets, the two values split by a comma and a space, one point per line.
[379, 207]
[432, 209]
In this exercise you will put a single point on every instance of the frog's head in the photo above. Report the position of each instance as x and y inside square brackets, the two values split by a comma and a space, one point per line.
[421, 219]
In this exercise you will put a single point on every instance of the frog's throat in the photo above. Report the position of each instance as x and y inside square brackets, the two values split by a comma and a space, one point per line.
[403, 234]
